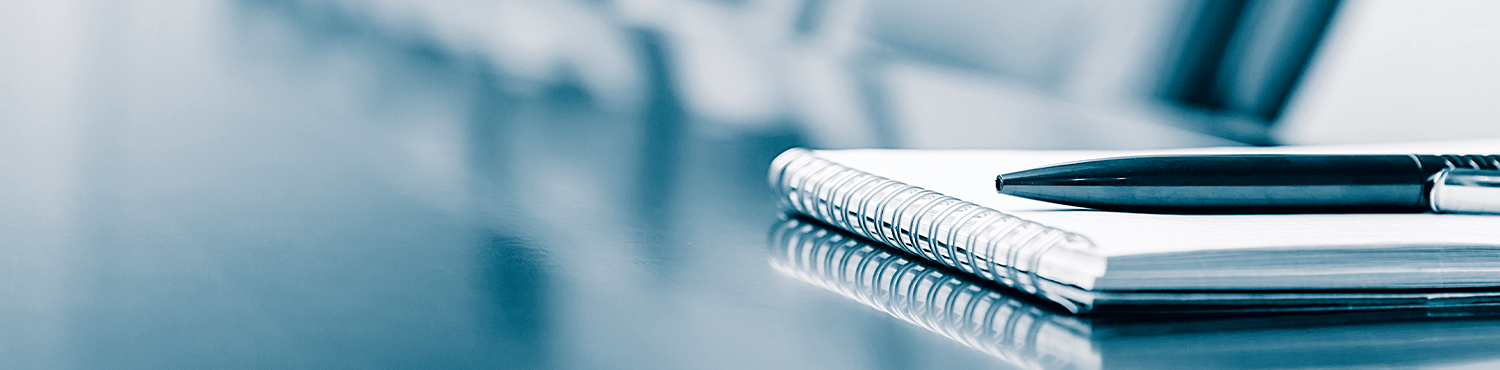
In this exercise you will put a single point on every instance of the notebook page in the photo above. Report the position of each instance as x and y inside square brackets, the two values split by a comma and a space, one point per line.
[970, 175]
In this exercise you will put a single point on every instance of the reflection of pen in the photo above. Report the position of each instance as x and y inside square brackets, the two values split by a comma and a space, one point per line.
[1268, 183]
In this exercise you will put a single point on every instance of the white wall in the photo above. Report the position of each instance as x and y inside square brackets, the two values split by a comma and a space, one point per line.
[1401, 71]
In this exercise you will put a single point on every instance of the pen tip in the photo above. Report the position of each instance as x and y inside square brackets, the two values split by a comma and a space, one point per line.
[1000, 183]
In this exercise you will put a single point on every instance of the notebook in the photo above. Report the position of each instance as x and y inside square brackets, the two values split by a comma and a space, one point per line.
[941, 205]
[1028, 334]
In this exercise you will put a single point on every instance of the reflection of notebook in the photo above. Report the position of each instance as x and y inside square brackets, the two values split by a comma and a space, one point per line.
[941, 205]
[1010, 327]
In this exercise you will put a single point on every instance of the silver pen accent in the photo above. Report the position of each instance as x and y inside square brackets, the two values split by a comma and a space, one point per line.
[1459, 190]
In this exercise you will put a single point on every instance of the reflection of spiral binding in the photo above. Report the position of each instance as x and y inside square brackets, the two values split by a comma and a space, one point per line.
[1028, 337]
[959, 234]
[980, 318]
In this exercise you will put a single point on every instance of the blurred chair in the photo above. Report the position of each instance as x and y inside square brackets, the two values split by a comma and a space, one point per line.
[899, 73]
[1229, 66]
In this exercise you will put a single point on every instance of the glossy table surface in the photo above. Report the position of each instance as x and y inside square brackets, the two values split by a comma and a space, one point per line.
[231, 185]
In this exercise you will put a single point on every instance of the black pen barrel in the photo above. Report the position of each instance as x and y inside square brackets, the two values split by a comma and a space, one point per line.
[1236, 183]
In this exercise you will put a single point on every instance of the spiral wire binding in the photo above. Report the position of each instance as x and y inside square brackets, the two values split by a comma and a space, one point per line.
[974, 239]
[977, 317]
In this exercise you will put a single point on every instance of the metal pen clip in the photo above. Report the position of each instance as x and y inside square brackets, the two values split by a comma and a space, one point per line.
[1458, 190]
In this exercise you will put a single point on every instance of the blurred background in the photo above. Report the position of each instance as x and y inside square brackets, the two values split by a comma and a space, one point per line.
[580, 183]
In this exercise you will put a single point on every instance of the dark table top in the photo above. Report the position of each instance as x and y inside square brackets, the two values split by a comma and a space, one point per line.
[231, 185]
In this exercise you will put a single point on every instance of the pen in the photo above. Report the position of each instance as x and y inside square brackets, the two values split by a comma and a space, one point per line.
[1201, 184]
